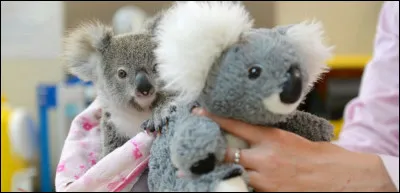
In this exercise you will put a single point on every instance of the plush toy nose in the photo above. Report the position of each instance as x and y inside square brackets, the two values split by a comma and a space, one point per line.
[143, 85]
[292, 88]
[204, 166]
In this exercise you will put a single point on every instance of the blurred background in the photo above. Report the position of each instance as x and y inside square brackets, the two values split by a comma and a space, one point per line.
[39, 99]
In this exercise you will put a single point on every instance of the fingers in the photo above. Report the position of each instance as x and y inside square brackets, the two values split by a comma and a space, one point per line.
[250, 133]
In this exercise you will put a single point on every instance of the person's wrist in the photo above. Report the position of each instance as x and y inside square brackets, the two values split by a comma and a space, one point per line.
[357, 171]
[383, 182]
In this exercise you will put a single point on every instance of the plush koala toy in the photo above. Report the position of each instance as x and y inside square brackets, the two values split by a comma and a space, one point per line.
[210, 53]
[124, 72]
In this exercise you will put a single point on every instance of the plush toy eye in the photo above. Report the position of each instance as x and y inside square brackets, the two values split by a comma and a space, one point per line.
[292, 88]
[122, 73]
[254, 72]
[155, 68]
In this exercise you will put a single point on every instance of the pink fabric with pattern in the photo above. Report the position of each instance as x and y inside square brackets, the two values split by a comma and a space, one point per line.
[79, 167]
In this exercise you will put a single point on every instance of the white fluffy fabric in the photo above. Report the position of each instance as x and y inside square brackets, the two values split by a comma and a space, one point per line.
[309, 38]
[191, 36]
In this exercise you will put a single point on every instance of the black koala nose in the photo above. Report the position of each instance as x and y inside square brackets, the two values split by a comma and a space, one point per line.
[204, 166]
[143, 84]
[292, 88]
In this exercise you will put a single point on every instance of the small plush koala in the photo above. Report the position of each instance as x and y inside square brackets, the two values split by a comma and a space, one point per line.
[210, 54]
[124, 72]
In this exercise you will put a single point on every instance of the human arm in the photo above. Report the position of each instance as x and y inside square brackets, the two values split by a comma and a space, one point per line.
[371, 120]
[283, 161]
[80, 169]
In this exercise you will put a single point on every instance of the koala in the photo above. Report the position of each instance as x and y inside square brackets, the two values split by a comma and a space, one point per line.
[223, 64]
[124, 72]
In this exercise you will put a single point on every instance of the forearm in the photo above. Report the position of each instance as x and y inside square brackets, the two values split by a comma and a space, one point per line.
[354, 171]
[391, 163]
[371, 120]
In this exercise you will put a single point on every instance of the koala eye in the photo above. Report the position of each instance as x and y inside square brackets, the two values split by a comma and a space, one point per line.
[155, 68]
[254, 72]
[122, 73]
[292, 88]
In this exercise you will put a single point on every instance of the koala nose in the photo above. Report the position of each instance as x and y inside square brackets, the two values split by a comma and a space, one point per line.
[143, 85]
[292, 88]
[204, 166]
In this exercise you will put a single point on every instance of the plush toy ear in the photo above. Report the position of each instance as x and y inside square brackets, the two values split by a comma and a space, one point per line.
[309, 41]
[191, 36]
[83, 48]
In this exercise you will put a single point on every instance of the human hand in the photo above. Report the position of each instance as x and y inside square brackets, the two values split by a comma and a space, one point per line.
[278, 160]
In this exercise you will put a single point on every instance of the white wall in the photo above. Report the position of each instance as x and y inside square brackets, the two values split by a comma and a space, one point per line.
[31, 34]
[350, 25]
[31, 29]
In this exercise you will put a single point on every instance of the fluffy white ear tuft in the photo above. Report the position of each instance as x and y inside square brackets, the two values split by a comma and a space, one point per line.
[83, 46]
[191, 36]
[308, 36]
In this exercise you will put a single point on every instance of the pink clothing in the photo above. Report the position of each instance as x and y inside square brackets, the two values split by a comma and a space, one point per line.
[80, 169]
[372, 119]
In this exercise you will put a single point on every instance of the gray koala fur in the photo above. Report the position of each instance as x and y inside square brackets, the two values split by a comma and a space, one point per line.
[93, 52]
[259, 78]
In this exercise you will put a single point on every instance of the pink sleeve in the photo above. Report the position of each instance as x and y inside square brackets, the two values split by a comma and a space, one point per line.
[79, 168]
[371, 120]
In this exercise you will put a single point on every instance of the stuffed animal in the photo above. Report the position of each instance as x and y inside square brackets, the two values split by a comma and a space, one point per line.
[124, 72]
[210, 54]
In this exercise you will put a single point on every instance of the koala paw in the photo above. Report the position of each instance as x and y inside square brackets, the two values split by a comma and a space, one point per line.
[148, 126]
[159, 119]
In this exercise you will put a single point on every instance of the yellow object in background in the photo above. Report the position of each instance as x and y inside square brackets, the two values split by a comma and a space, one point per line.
[337, 127]
[348, 62]
[15, 170]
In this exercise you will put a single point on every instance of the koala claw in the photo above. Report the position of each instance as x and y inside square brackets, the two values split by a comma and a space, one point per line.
[148, 126]
[164, 121]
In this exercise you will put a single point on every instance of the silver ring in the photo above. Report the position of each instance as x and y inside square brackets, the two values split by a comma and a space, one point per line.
[237, 156]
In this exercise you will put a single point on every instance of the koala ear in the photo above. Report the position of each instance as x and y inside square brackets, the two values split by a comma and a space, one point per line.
[191, 35]
[152, 23]
[83, 48]
[308, 39]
